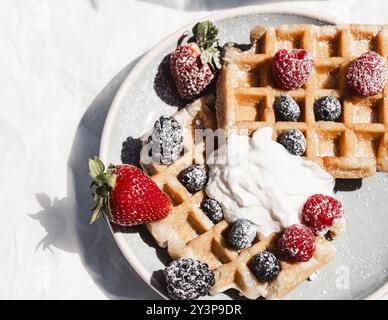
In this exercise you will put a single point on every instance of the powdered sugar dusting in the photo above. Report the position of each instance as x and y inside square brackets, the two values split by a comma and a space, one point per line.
[297, 243]
[164, 85]
[190, 75]
[320, 212]
[292, 68]
[367, 74]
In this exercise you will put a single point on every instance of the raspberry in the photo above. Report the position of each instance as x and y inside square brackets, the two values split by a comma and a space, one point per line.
[292, 68]
[297, 243]
[367, 74]
[321, 212]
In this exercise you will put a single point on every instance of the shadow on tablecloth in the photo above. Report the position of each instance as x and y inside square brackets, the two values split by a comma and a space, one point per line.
[66, 220]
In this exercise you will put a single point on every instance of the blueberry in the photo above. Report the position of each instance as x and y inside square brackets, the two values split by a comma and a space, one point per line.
[287, 109]
[194, 178]
[213, 209]
[166, 140]
[188, 279]
[265, 266]
[241, 234]
[327, 108]
[294, 141]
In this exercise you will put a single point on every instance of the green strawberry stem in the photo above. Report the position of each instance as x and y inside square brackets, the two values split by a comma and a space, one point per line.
[206, 33]
[103, 182]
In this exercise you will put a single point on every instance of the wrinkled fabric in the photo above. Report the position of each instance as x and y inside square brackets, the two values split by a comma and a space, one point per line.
[61, 65]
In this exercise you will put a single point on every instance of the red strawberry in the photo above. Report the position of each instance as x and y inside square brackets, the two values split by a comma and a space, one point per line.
[297, 243]
[126, 195]
[320, 212]
[191, 76]
[193, 65]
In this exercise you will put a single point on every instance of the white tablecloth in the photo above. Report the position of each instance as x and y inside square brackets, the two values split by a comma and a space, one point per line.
[61, 64]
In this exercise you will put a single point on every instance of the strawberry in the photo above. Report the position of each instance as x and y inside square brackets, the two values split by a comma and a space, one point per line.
[193, 65]
[126, 195]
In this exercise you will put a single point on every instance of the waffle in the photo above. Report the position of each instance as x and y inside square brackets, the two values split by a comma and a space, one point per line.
[355, 146]
[188, 232]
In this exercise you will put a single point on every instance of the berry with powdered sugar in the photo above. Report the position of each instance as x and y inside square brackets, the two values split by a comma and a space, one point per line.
[294, 141]
[193, 65]
[321, 212]
[292, 68]
[166, 140]
[194, 178]
[213, 209]
[367, 74]
[241, 234]
[191, 76]
[265, 266]
[327, 108]
[287, 109]
[297, 243]
[188, 279]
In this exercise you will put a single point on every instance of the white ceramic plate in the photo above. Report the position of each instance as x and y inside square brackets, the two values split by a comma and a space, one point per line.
[360, 268]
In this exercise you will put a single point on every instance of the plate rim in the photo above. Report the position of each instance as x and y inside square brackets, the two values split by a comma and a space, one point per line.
[125, 249]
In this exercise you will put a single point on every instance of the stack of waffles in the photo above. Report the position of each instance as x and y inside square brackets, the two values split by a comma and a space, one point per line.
[353, 147]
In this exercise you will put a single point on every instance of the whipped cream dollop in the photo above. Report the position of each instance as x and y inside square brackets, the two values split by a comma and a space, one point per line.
[259, 180]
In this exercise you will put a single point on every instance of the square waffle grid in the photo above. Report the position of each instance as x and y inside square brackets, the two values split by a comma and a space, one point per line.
[188, 232]
[353, 147]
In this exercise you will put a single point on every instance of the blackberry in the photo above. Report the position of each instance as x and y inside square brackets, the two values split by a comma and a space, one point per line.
[294, 141]
[166, 140]
[194, 178]
[241, 234]
[287, 109]
[213, 209]
[265, 266]
[187, 279]
[327, 108]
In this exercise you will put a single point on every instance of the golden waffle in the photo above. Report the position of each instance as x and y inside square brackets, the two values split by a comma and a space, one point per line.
[188, 232]
[353, 147]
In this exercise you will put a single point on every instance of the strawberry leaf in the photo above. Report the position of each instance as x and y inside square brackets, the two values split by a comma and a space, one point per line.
[211, 56]
[216, 63]
[102, 192]
[206, 56]
[97, 212]
[101, 177]
[110, 180]
[103, 182]
[205, 33]
[96, 167]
